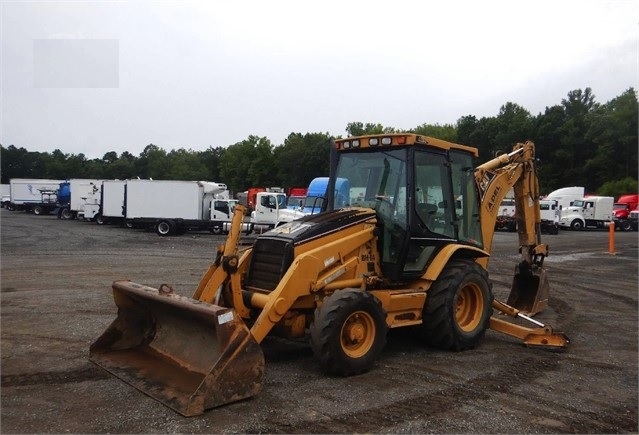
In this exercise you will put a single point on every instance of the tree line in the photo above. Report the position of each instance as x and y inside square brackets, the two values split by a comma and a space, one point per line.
[579, 142]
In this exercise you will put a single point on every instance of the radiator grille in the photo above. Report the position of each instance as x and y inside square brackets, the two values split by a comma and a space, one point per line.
[271, 259]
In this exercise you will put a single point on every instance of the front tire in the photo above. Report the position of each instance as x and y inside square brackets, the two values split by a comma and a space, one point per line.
[576, 225]
[458, 307]
[348, 332]
[626, 226]
[38, 210]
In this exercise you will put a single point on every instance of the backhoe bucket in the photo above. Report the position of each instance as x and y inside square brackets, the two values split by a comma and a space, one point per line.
[187, 354]
[529, 293]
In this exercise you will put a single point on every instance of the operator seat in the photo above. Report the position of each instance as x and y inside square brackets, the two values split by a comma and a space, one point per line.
[426, 212]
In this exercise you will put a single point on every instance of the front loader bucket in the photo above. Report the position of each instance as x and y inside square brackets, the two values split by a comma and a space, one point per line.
[187, 354]
[529, 293]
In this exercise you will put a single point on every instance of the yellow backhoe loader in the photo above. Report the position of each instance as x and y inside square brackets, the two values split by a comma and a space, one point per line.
[409, 247]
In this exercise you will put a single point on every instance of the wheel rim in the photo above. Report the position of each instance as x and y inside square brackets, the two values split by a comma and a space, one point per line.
[163, 228]
[468, 307]
[358, 334]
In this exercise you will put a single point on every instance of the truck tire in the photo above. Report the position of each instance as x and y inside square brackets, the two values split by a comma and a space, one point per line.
[66, 214]
[626, 225]
[10, 207]
[216, 230]
[458, 307]
[348, 332]
[99, 219]
[576, 225]
[38, 210]
[165, 228]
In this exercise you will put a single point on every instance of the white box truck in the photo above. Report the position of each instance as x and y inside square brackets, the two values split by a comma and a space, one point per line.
[174, 207]
[591, 211]
[83, 200]
[39, 196]
[112, 204]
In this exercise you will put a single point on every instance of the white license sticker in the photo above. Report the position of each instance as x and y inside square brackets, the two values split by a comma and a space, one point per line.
[225, 318]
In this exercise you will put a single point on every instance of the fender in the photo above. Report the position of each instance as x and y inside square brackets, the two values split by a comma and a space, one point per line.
[454, 250]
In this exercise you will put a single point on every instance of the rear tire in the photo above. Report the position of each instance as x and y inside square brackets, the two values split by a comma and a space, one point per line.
[165, 228]
[66, 214]
[37, 210]
[348, 332]
[100, 220]
[626, 226]
[458, 307]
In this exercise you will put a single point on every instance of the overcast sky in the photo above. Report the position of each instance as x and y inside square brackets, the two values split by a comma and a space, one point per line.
[93, 77]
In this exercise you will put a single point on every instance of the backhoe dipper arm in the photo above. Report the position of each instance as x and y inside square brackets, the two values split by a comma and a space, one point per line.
[494, 178]
[529, 292]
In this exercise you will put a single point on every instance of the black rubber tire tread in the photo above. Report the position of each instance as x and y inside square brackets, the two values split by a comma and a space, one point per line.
[165, 228]
[626, 226]
[38, 210]
[325, 332]
[66, 214]
[100, 220]
[439, 328]
[576, 225]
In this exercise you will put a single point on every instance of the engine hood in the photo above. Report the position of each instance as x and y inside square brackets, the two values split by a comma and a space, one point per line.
[312, 226]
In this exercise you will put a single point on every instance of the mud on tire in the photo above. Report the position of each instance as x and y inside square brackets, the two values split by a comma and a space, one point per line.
[458, 307]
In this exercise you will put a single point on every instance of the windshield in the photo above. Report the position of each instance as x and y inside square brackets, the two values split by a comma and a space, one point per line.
[579, 203]
[619, 206]
[375, 180]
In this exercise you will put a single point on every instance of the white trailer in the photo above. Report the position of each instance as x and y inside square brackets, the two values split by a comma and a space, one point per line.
[270, 211]
[33, 195]
[591, 211]
[174, 207]
[84, 199]
[566, 196]
[112, 204]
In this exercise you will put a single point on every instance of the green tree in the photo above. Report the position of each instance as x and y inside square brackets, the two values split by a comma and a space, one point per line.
[185, 165]
[514, 125]
[302, 158]
[153, 163]
[445, 132]
[618, 187]
[248, 163]
[361, 129]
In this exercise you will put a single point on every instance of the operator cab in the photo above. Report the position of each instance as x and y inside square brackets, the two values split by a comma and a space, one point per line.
[423, 192]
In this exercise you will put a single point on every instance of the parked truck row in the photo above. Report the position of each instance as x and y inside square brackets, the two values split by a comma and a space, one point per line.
[171, 207]
[167, 207]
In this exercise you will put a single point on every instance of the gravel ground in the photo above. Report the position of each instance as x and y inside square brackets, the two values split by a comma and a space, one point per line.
[56, 300]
